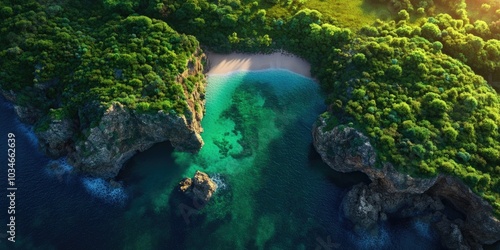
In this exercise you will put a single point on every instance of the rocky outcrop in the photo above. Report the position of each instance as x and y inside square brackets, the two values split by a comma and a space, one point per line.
[395, 194]
[122, 132]
[479, 223]
[100, 149]
[367, 205]
[347, 150]
[199, 187]
[26, 114]
[57, 141]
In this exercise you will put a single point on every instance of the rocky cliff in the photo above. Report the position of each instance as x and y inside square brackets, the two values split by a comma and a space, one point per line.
[123, 132]
[395, 194]
[101, 150]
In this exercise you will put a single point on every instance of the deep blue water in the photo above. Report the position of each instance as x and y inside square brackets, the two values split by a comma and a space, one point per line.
[275, 192]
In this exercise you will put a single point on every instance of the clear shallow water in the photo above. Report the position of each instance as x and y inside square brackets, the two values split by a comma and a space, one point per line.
[277, 194]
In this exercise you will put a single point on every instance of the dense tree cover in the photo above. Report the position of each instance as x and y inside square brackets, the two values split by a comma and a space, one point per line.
[425, 112]
[245, 25]
[223, 25]
[76, 64]
[409, 82]
[468, 30]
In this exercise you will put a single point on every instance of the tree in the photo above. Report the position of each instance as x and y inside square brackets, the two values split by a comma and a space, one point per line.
[403, 15]
[123, 6]
[431, 31]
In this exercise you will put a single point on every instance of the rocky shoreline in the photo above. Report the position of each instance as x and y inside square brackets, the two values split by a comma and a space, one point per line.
[392, 194]
[121, 132]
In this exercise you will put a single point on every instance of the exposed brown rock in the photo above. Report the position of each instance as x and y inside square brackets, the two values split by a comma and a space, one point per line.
[56, 141]
[392, 193]
[199, 187]
[185, 184]
[121, 132]
[480, 224]
[346, 150]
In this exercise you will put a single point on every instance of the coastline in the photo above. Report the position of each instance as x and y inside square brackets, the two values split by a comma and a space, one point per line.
[227, 63]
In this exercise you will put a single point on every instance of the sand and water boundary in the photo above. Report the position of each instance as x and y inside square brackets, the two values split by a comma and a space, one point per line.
[227, 63]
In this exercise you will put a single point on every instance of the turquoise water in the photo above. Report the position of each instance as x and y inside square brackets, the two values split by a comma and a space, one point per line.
[274, 190]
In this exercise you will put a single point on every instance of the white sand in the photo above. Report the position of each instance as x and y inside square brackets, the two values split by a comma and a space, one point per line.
[226, 63]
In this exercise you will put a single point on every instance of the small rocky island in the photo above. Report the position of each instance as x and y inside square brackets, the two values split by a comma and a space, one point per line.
[199, 187]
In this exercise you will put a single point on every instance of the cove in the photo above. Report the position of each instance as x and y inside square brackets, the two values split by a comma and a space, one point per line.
[274, 190]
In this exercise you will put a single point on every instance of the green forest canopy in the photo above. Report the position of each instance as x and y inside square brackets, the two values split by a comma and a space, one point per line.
[408, 73]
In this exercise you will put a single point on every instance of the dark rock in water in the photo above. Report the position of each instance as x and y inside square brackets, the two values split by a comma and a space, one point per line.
[398, 195]
[359, 208]
[450, 234]
[199, 187]
[366, 205]
[479, 222]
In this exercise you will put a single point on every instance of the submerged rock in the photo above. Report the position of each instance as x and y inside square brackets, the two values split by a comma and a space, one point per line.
[394, 194]
[201, 186]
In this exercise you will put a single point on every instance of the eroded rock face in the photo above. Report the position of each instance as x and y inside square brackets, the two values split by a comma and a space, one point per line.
[199, 187]
[367, 205]
[480, 224]
[101, 151]
[121, 133]
[394, 194]
[27, 114]
[347, 150]
[57, 140]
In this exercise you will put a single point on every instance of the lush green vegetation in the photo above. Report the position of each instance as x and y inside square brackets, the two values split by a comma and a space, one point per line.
[405, 81]
[72, 64]
[410, 76]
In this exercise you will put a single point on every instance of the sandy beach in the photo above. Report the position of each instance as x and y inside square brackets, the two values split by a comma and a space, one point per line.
[225, 63]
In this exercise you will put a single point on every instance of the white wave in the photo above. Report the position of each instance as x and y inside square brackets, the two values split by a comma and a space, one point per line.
[103, 190]
[219, 180]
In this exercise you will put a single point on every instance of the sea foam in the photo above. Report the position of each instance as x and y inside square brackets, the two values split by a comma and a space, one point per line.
[103, 190]
[219, 180]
